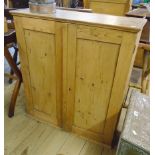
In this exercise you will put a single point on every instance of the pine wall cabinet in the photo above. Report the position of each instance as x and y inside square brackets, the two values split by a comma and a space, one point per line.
[76, 68]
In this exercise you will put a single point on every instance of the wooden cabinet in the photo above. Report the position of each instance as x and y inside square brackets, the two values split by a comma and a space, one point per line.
[112, 7]
[76, 68]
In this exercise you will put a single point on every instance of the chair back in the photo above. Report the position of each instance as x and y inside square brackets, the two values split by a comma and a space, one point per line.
[5, 25]
[20, 3]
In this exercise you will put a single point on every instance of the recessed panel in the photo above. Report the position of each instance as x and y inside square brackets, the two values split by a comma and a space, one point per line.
[95, 69]
[41, 56]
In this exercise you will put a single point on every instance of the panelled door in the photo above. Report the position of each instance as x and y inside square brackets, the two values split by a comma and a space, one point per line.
[43, 55]
[90, 61]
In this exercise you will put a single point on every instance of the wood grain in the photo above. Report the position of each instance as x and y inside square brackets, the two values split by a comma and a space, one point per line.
[112, 7]
[73, 145]
[114, 22]
[42, 46]
[107, 8]
[99, 34]
[58, 61]
[38, 25]
[93, 85]
[26, 136]
[91, 149]
[24, 62]
[69, 75]
[76, 72]
[120, 85]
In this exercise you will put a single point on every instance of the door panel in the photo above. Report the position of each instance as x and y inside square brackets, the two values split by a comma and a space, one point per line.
[95, 69]
[88, 75]
[41, 56]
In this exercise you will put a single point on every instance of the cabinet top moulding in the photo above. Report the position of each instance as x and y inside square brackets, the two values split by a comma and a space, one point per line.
[115, 22]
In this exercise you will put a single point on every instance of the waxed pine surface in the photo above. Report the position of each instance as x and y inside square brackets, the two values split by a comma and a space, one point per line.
[60, 76]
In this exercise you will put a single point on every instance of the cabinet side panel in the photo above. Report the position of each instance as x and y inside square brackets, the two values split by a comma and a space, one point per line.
[124, 66]
[24, 62]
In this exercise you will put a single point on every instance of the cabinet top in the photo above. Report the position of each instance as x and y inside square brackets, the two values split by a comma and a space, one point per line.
[115, 22]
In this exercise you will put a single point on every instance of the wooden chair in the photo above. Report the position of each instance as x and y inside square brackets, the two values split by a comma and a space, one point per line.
[142, 70]
[146, 66]
[10, 41]
[10, 32]
[16, 3]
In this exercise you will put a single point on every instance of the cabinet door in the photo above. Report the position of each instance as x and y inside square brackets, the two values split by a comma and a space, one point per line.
[91, 67]
[41, 49]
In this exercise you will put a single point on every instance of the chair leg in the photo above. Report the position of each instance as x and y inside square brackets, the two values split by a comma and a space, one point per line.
[12, 63]
[15, 60]
[14, 97]
[144, 74]
[18, 83]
